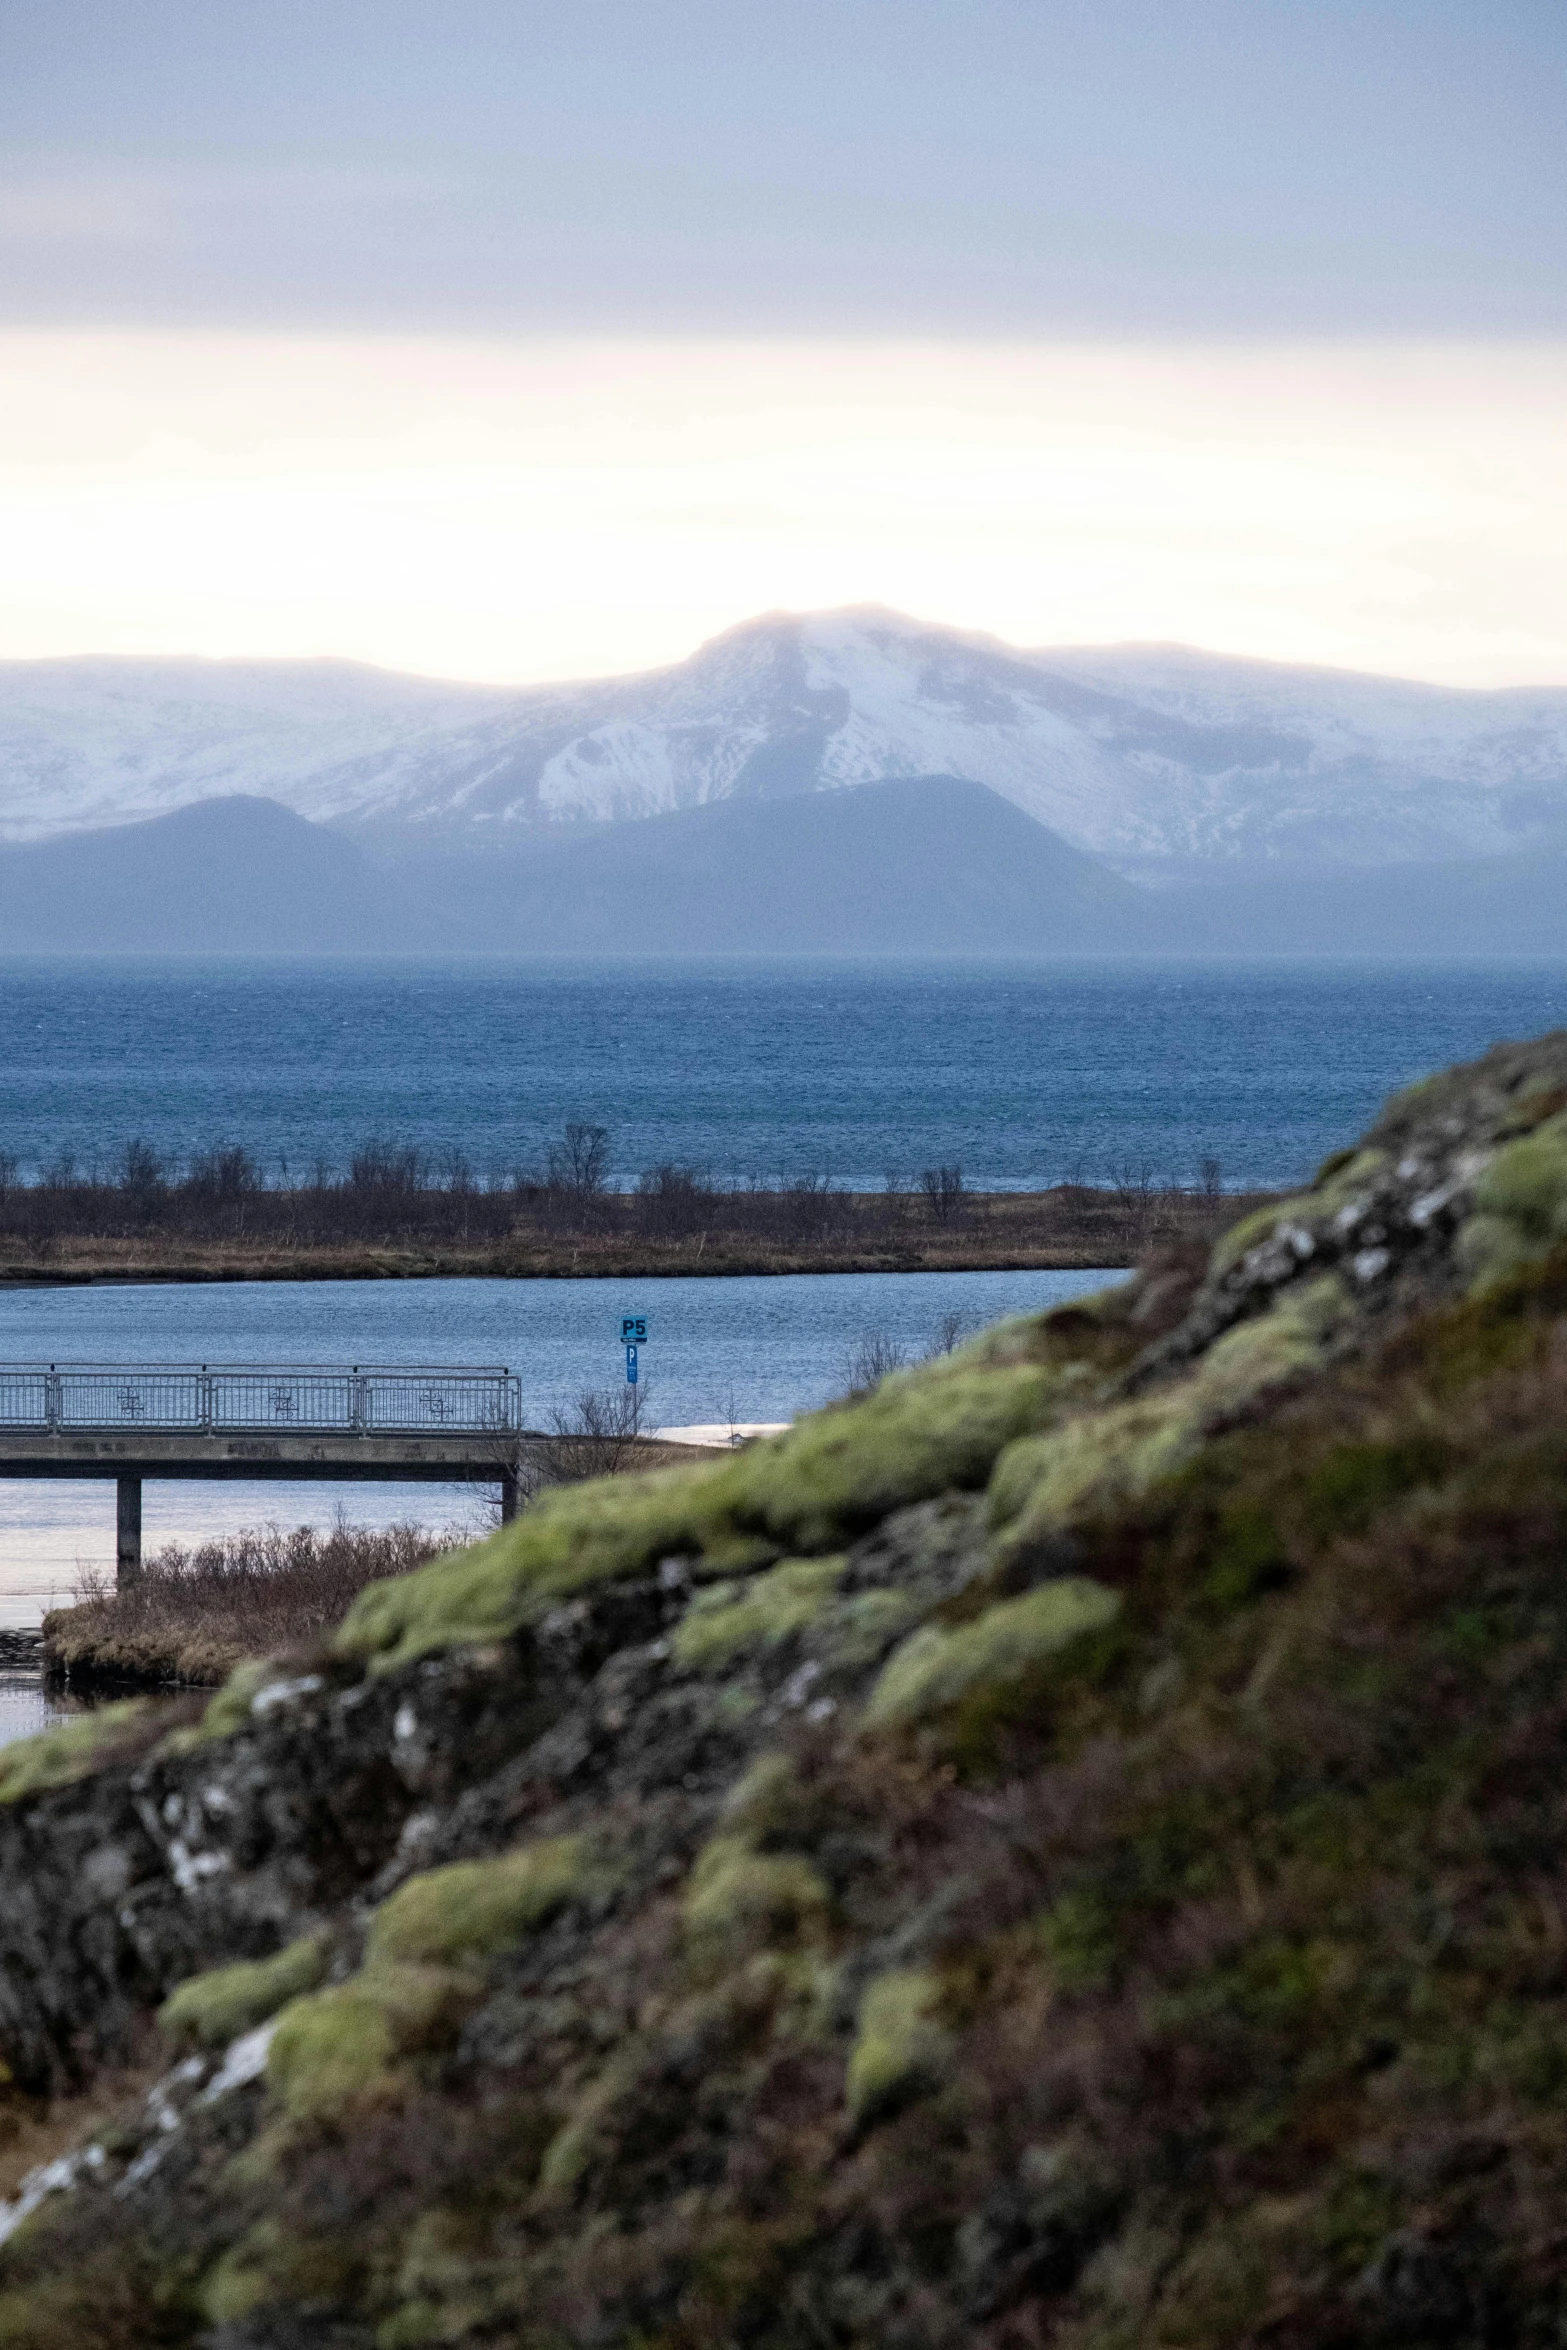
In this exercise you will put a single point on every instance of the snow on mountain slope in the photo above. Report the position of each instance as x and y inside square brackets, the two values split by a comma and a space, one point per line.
[1153, 757]
[1269, 759]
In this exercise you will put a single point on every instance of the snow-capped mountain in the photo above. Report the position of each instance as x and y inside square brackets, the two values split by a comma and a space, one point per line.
[1156, 758]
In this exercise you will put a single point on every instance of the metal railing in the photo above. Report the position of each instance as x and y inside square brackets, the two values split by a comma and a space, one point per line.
[213, 1399]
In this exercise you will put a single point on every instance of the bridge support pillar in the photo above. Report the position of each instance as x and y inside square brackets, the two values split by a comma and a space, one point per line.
[510, 1496]
[127, 1555]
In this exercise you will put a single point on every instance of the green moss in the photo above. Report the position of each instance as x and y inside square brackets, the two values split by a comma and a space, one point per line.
[726, 1619]
[853, 1633]
[70, 1751]
[476, 1907]
[739, 1897]
[229, 1711]
[451, 2287]
[1260, 1354]
[1043, 1482]
[343, 2046]
[216, 2007]
[1520, 1206]
[919, 1434]
[579, 2139]
[900, 2047]
[1105, 1459]
[938, 1670]
[567, 1541]
[765, 1801]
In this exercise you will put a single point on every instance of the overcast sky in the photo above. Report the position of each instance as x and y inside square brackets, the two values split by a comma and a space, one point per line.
[921, 211]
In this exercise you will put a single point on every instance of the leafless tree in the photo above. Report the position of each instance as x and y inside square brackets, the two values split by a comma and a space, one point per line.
[579, 1162]
[943, 1189]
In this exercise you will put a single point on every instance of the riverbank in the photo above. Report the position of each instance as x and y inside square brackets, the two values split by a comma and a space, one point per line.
[1072, 1228]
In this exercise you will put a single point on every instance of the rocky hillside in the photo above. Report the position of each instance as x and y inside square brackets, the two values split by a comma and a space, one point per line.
[1065, 1849]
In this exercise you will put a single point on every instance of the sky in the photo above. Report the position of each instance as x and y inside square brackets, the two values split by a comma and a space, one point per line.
[513, 342]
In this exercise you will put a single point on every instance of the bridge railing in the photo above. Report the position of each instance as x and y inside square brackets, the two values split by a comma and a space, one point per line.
[214, 1399]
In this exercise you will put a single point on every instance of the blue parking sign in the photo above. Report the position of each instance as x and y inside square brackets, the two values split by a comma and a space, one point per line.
[631, 1366]
[633, 1329]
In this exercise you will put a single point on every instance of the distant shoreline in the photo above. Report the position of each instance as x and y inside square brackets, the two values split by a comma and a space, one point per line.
[994, 1232]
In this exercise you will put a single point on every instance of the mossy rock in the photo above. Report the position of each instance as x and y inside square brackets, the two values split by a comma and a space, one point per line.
[450, 2285]
[924, 1432]
[1104, 1459]
[566, 1542]
[900, 2046]
[833, 1475]
[1338, 1180]
[1043, 1482]
[212, 2009]
[1520, 1207]
[739, 1898]
[344, 2046]
[229, 1711]
[69, 1751]
[994, 1658]
[474, 1908]
[725, 1620]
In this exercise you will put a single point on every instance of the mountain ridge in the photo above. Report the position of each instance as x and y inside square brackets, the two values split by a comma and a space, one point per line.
[1156, 759]
[924, 865]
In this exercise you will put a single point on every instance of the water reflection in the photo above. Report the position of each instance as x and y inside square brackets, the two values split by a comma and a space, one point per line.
[27, 1707]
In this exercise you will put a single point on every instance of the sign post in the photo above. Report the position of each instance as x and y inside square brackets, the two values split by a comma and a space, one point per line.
[633, 1334]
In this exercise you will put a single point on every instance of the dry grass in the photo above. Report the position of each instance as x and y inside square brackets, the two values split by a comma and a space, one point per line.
[196, 1613]
[1072, 1227]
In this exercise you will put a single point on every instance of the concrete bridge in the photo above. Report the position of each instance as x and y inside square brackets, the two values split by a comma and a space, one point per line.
[284, 1422]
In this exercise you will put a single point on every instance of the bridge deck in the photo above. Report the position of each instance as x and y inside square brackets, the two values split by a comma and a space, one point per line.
[397, 1424]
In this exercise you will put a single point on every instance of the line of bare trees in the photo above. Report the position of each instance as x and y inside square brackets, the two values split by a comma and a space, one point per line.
[390, 1192]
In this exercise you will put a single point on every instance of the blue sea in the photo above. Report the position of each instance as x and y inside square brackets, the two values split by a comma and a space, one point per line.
[1021, 1074]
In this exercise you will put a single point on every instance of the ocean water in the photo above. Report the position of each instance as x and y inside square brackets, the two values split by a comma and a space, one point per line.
[1020, 1073]
[718, 1350]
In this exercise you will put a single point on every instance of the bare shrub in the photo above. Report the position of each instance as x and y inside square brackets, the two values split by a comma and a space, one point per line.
[598, 1435]
[195, 1613]
[950, 1332]
[872, 1357]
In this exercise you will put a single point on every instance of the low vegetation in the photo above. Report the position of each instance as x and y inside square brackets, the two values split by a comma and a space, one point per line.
[1064, 1849]
[394, 1209]
[197, 1613]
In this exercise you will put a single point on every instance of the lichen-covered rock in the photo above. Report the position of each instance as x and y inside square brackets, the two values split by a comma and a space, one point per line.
[1058, 1851]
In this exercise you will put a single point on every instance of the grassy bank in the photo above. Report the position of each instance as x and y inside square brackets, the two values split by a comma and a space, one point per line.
[1070, 1228]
